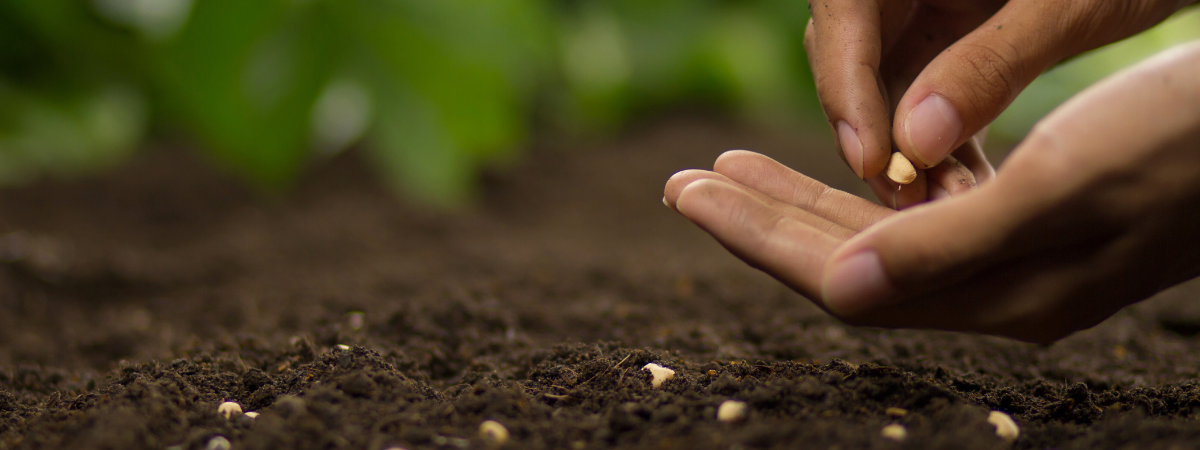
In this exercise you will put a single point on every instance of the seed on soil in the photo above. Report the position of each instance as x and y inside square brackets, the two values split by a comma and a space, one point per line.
[228, 409]
[218, 443]
[659, 374]
[900, 169]
[896, 412]
[731, 411]
[895, 432]
[343, 347]
[493, 433]
[252, 414]
[1005, 427]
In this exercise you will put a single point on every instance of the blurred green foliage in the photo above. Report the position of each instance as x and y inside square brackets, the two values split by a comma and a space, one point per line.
[434, 90]
[1060, 83]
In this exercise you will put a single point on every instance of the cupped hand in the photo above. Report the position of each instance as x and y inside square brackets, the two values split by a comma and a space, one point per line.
[927, 76]
[1098, 208]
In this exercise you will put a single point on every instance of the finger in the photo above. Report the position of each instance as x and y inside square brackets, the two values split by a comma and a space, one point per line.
[680, 180]
[844, 46]
[971, 154]
[911, 251]
[765, 175]
[912, 194]
[968, 85]
[951, 177]
[884, 189]
[789, 250]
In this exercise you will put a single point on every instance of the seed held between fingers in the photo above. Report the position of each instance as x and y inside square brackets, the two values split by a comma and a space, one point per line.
[900, 169]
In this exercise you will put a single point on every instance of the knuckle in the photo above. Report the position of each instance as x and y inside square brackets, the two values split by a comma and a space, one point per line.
[995, 73]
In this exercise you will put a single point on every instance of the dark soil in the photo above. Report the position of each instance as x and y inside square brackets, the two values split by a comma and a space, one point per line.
[135, 302]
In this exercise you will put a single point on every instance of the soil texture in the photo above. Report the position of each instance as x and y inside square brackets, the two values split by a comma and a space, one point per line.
[133, 303]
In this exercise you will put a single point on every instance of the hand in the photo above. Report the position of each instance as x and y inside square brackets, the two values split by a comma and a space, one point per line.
[946, 69]
[1097, 209]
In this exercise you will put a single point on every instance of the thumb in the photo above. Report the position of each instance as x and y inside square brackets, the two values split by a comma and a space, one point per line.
[909, 253]
[969, 84]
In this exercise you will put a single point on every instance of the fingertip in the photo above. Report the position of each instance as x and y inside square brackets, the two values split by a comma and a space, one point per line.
[930, 130]
[677, 183]
[855, 284]
[696, 194]
[851, 147]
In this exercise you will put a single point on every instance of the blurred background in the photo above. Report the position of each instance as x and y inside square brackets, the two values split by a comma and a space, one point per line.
[431, 91]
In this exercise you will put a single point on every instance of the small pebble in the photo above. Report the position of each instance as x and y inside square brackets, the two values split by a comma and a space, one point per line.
[252, 414]
[493, 433]
[731, 411]
[659, 374]
[895, 432]
[896, 412]
[218, 443]
[712, 373]
[228, 409]
[1005, 427]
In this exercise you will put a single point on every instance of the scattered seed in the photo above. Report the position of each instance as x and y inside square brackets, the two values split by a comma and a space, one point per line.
[896, 412]
[1005, 427]
[343, 347]
[218, 443]
[228, 409]
[659, 374]
[712, 373]
[900, 169]
[252, 414]
[895, 432]
[731, 411]
[355, 319]
[493, 433]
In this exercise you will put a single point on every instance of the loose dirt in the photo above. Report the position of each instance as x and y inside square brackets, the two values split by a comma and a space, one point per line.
[136, 302]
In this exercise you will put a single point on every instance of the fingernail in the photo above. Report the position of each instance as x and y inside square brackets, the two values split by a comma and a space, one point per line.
[852, 148]
[856, 284]
[666, 203]
[932, 128]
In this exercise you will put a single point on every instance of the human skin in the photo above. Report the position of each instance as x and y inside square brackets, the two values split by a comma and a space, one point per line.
[1096, 209]
[928, 76]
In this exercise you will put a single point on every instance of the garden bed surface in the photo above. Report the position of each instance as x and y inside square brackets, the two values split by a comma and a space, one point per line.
[133, 303]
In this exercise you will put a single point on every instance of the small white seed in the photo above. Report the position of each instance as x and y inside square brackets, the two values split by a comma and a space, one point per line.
[343, 347]
[228, 409]
[895, 432]
[252, 414]
[218, 443]
[731, 411]
[658, 374]
[493, 433]
[900, 169]
[1005, 427]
